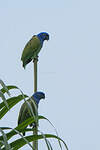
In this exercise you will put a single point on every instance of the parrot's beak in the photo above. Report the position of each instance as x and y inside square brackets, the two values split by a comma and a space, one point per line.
[47, 37]
[44, 97]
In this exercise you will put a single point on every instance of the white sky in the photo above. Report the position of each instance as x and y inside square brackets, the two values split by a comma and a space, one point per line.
[69, 65]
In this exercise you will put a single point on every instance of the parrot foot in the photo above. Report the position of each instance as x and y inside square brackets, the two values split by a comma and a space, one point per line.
[35, 59]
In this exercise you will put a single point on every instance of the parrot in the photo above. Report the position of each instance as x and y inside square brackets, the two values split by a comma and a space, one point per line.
[24, 110]
[33, 47]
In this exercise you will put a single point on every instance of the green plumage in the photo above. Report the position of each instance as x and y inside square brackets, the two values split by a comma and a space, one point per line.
[26, 112]
[31, 50]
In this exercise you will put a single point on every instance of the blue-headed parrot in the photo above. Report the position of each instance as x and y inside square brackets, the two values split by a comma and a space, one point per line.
[33, 47]
[24, 113]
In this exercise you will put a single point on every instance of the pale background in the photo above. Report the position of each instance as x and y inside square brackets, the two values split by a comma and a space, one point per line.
[69, 65]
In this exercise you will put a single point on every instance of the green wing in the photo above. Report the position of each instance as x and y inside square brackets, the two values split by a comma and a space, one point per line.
[31, 50]
[25, 112]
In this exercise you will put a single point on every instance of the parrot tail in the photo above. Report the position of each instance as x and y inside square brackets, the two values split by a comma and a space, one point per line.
[24, 65]
[26, 62]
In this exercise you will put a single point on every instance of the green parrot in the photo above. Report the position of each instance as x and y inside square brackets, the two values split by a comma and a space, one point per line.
[25, 111]
[33, 47]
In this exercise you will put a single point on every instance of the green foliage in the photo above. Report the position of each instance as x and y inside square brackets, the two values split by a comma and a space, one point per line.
[5, 106]
[4, 140]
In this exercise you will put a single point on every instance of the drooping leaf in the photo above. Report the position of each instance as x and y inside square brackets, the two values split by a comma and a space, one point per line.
[5, 141]
[11, 102]
[48, 144]
[9, 88]
[4, 87]
[4, 100]
[27, 142]
[20, 142]
[12, 132]
[20, 128]
[42, 117]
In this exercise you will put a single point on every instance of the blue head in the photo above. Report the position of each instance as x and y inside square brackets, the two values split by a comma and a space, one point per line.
[43, 36]
[38, 96]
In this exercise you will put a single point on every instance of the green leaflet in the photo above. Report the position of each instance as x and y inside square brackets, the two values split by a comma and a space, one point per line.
[5, 142]
[3, 90]
[5, 87]
[4, 100]
[20, 142]
[11, 102]
[42, 117]
[19, 128]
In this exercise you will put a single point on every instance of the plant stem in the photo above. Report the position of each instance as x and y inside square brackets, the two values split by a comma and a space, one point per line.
[35, 132]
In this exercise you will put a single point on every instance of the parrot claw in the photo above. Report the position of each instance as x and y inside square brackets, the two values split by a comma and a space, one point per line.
[36, 58]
